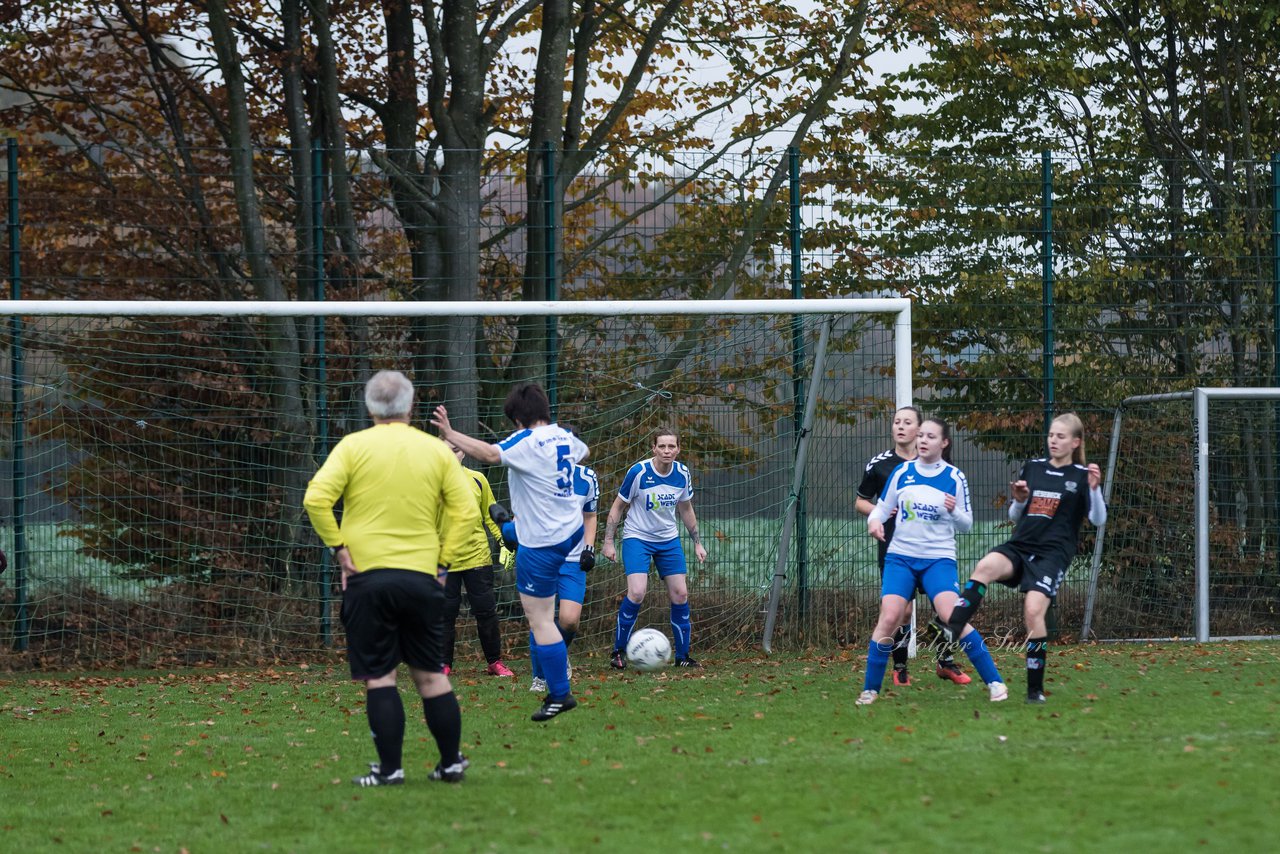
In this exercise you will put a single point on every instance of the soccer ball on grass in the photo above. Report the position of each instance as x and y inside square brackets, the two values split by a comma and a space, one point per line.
[649, 649]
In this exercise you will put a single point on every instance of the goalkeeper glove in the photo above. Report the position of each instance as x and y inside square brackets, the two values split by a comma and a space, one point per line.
[588, 559]
[506, 524]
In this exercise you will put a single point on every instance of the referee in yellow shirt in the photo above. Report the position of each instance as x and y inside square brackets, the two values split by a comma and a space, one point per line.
[394, 480]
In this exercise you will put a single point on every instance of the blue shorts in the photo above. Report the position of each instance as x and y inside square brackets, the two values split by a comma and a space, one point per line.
[933, 575]
[667, 556]
[573, 582]
[538, 568]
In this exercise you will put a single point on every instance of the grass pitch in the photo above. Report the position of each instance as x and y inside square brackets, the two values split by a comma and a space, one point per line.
[1172, 747]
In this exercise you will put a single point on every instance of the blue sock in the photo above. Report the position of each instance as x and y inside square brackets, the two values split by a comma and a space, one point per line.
[877, 661]
[680, 629]
[628, 611]
[554, 659]
[976, 648]
[534, 663]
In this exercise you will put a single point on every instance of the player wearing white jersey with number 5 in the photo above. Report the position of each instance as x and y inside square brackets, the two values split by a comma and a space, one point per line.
[571, 589]
[653, 493]
[929, 498]
[541, 456]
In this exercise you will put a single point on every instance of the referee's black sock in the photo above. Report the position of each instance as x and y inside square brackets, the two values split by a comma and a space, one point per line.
[901, 638]
[568, 635]
[970, 599]
[1037, 652]
[444, 719]
[385, 711]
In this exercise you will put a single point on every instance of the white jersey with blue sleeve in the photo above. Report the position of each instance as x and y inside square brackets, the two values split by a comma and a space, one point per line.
[541, 460]
[653, 498]
[586, 487]
[914, 495]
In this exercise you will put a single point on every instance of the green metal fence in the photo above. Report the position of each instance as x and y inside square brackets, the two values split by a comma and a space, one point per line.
[1039, 286]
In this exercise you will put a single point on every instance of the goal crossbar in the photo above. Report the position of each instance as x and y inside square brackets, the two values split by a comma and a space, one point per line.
[900, 306]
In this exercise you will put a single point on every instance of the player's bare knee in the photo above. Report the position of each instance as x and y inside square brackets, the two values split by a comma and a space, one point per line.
[1034, 608]
[983, 572]
[891, 616]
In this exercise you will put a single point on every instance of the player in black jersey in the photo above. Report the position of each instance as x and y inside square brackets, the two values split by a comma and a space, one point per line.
[906, 426]
[1051, 498]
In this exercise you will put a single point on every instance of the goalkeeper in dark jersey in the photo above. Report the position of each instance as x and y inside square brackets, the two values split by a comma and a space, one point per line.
[1051, 498]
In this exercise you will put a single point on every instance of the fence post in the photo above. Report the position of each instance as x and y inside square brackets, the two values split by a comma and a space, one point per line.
[1275, 328]
[22, 622]
[549, 249]
[797, 382]
[322, 367]
[1046, 274]
[1275, 270]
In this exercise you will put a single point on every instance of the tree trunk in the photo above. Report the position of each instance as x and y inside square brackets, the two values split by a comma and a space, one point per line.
[288, 460]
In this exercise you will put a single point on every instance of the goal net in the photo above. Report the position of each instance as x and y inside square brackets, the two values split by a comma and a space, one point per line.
[160, 452]
[1190, 548]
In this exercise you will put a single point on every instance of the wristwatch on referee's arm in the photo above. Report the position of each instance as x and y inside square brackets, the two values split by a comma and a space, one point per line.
[333, 550]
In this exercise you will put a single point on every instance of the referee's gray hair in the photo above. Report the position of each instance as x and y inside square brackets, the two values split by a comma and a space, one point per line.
[388, 394]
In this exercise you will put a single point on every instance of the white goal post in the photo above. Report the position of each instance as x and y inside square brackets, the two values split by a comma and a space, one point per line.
[1202, 400]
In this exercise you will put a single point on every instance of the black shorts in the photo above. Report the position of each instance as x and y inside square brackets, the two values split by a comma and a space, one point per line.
[1032, 571]
[393, 615]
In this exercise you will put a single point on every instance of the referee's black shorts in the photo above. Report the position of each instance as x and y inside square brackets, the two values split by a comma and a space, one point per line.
[393, 615]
